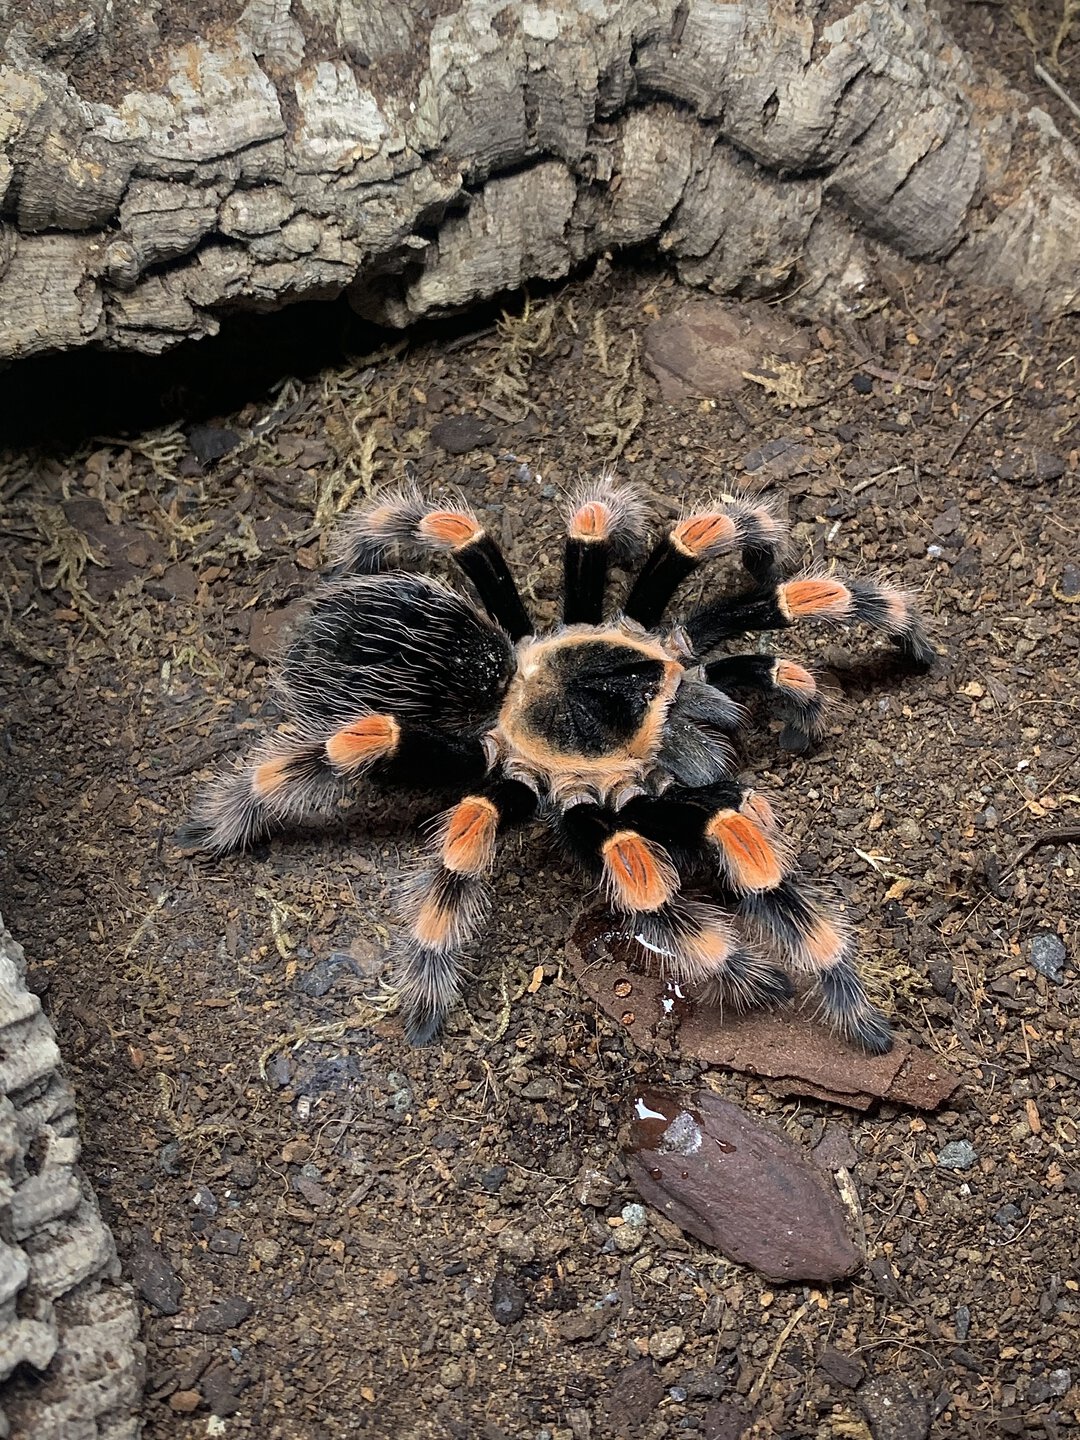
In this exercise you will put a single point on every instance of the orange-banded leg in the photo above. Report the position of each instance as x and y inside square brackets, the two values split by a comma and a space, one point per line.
[808, 929]
[778, 607]
[736, 523]
[405, 519]
[447, 903]
[790, 691]
[693, 942]
[299, 775]
[604, 521]
[725, 829]
[733, 830]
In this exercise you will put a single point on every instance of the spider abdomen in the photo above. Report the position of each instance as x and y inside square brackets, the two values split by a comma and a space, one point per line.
[402, 643]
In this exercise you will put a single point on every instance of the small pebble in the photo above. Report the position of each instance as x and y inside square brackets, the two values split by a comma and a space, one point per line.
[451, 1375]
[963, 1323]
[507, 1300]
[168, 1158]
[225, 1242]
[957, 1155]
[1007, 1215]
[667, 1343]
[517, 1244]
[1047, 954]
[184, 1401]
[634, 1215]
[222, 1315]
[204, 1201]
[493, 1180]
[593, 1187]
[677, 1393]
[1059, 1382]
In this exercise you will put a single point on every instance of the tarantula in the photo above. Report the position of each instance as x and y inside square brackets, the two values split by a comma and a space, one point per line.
[614, 731]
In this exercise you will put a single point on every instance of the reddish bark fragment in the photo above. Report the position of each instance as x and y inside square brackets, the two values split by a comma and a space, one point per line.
[740, 1186]
[786, 1047]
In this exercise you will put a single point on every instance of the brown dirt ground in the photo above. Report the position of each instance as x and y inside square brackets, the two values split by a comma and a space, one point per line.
[239, 1093]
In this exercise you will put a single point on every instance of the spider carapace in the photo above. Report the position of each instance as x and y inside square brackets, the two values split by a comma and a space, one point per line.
[615, 731]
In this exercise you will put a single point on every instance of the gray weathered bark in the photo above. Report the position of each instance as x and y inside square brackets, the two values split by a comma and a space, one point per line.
[70, 1361]
[303, 148]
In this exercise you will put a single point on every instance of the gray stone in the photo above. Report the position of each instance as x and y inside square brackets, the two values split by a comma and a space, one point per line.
[507, 1300]
[70, 1358]
[893, 1410]
[1047, 954]
[222, 1315]
[957, 1155]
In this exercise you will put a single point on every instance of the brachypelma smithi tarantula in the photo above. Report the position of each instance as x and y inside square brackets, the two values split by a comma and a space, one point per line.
[613, 730]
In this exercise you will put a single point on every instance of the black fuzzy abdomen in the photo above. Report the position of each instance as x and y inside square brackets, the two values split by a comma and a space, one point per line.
[400, 644]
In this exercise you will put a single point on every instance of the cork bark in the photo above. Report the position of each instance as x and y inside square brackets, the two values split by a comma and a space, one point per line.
[161, 166]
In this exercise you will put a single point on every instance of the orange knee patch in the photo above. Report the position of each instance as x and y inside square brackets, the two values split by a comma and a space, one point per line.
[790, 676]
[433, 926]
[708, 948]
[469, 843]
[591, 521]
[824, 943]
[751, 860]
[452, 528]
[269, 778]
[640, 874]
[699, 533]
[363, 741]
[898, 609]
[800, 598]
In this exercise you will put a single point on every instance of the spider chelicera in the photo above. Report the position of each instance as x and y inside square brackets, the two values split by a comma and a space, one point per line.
[614, 731]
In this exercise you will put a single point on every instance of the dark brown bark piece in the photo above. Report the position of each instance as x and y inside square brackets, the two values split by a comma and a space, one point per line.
[738, 1185]
[787, 1047]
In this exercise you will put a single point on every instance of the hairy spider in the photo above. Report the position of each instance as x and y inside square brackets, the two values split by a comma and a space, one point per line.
[614, 731]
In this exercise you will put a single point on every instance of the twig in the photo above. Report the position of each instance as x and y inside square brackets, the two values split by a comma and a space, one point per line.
[969, 428]
[1048, 837]
[1051, 84]
[894, 377]
[782, 1339]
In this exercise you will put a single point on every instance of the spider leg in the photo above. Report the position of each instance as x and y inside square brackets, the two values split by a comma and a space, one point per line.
[406, 519]
[779, 606]
[604, 520]
[791, 692]
[735, 830]
[694, 940]
[798, 920]
[737, 523]
[448, 902]
[296, 775]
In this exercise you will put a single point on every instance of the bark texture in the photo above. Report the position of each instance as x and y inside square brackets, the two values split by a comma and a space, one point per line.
[70, 1361]
[156, 174]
